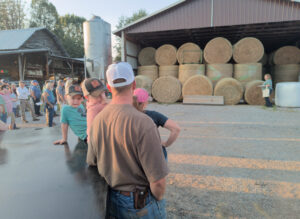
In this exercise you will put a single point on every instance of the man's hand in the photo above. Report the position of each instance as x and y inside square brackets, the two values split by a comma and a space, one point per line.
[61, 142]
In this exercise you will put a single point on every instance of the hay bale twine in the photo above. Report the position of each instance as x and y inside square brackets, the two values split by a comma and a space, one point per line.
[147, 56]
[166, 55]
[248, 50]
[145, 82]
[247, 72]
[216, 72]
[168, 70]
[166, 89]
[197, 85]
[286, 55]
[218, 50]
[253, 93]
[286, 73]
[189, 53]
[231, 89]
[188, 70]
[150, 71]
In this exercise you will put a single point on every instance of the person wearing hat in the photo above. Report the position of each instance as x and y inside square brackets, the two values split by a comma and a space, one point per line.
[140, 102]
[73, 115]
[35, 92]
[49, 104]
[94, 92]
[126, 147]
[60, 94]
[23, 96]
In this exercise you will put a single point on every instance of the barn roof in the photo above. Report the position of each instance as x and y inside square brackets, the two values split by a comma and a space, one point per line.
[15, 39]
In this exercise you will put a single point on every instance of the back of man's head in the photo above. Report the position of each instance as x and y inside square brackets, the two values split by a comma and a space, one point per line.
[120, 76]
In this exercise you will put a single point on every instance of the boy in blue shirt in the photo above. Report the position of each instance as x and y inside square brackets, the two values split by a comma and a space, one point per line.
[73, 115]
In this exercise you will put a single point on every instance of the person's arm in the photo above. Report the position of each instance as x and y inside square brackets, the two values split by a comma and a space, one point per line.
[64, 132]
[46, 99]
[174, 132]
[32, 94]
[158, 188]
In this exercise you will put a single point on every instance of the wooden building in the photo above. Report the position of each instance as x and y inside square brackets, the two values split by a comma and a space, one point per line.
[35, 53]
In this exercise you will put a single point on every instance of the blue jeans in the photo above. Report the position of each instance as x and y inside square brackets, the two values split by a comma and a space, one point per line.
[3, 117]
[15, 111]
[165, 153]
[50, 114]
[121, 206]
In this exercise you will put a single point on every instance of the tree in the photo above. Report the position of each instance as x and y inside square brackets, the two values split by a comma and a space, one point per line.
[12, 15]
[72, 34]
[44, 14]
[123, 21]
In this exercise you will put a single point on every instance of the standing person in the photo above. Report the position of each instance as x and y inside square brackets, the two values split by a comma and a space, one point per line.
[3, 111]
[5, 93]
[94, 92]
[35, 91]
[140, 101]
[14, 99]
[73, 115]
[60, 94]
[49, 104]
[23, 94]
[13, 88]
[268, 85]
[126, 147]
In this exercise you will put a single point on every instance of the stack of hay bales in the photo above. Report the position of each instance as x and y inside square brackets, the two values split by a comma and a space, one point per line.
[285, 63]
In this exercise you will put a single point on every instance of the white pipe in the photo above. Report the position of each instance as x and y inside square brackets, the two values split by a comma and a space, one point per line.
[212, 14]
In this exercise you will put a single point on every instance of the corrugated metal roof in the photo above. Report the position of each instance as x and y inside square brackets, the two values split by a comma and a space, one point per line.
[14, 39]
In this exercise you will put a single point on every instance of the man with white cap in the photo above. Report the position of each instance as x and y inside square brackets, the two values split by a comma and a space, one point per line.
[125, 145]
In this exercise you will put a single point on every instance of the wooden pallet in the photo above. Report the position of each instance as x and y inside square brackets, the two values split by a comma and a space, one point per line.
[203, 100]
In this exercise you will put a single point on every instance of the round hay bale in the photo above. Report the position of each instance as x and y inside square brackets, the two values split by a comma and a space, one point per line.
[147, 56]
[145, 82]
[247, 72]
[197, 85]
[286, 73]
[166, 55]
[168, 70]
[150, 71]
[253, 93]
[218, 50]
[189, 53]
[231, 89]
[248, 50]
[216, 72]
[286, 55]
[188, 70]
[166, 89]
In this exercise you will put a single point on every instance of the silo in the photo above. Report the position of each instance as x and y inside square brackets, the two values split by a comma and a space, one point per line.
[97, 46]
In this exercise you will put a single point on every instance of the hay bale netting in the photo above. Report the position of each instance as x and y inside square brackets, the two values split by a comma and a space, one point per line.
[286, 73]
[168, 70]
[253, 93]
[247, 72]
[218, 50]
[166, 55]
[189, 53]
[147, 56]
[216, 72]
[231, 89]
[150, 71]
[197, 85]
[248, 50]
[286, 55]
[145, 82]
[188, 70]
[166, 89]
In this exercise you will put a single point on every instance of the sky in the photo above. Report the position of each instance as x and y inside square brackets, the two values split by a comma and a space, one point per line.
[108, 10]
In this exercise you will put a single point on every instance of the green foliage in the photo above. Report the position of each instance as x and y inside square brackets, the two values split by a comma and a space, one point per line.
[12, 15]
[71, 34]
[123, 21]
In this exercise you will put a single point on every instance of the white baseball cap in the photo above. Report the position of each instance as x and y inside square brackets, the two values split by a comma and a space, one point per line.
[121, 70]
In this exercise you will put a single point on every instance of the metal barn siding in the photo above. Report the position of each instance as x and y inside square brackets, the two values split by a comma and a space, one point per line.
[238, 12]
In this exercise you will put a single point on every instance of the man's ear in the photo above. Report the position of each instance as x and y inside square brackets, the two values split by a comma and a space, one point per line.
[108, 87]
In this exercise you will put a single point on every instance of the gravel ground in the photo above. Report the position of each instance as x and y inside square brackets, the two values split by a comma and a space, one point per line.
[231, 161]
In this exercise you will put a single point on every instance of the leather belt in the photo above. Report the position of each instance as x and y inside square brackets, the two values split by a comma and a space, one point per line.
[125, 193]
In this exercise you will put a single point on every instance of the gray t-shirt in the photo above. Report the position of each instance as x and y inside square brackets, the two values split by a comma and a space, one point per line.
[125, 145]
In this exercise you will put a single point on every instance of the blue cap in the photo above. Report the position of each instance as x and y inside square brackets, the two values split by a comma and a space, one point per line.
[34, 81]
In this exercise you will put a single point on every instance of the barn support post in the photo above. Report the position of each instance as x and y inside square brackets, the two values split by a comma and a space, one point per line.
[20, 68]
[123, 47]
[47, 67]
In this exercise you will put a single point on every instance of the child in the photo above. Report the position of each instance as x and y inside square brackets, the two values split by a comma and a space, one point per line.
[140, 101]
[5, 93]
[94, 92]
[268, 85]
[73, 115]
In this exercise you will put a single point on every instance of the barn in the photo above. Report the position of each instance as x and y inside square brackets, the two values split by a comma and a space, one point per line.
[35, 53]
